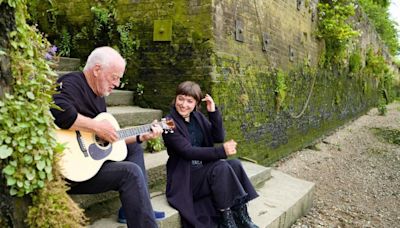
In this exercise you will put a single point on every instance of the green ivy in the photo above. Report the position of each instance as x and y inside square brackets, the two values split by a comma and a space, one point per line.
[378, 13]
[280, 89]
[154, 145]
[355, 62]
[334, 27]
[127, 44]
[27, 142]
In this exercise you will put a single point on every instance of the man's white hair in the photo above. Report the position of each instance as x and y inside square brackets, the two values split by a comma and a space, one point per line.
[103, 56]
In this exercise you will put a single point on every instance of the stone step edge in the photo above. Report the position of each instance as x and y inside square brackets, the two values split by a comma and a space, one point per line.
[256, 173]
[276, 207]
[67, 64]
[283, 199]
[134, 115]
[120, 97]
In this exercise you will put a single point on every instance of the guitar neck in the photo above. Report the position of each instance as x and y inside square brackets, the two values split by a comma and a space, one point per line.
[128, 132]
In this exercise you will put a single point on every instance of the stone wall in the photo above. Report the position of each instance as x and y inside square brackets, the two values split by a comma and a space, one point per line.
[288, 29]
[265, 74]
[278, 38]
[7, 24]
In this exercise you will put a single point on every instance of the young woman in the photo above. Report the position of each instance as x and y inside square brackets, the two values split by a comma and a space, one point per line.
[207, 190]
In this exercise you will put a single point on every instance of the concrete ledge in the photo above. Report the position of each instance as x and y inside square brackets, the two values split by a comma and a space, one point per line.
[133, 115]
[283, 199]
[68, 64]
[120, 97]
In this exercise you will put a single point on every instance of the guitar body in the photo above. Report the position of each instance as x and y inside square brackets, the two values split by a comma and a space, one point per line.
[85, 153]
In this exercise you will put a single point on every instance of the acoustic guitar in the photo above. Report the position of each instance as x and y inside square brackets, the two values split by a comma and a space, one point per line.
[85, 152]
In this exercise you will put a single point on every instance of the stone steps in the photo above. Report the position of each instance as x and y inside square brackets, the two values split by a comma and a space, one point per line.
[134, 115]
[67, 64]
[257, 174]
[120, 98]
[282, 200]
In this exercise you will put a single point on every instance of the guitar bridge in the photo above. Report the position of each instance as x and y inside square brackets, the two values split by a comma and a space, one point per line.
[81, 143]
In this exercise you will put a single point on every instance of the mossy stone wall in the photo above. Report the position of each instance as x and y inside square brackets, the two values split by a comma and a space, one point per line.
[245, 77]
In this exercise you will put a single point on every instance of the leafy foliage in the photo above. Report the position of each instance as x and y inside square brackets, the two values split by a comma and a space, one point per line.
[154, 145]
[280, 89]
[52, 207]
[335, 29]
[377, 11]
[27, 144]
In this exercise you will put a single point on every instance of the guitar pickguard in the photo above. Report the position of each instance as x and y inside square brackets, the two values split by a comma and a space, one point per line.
[97, 153]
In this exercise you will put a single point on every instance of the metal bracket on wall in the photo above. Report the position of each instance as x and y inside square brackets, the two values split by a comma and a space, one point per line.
[239, 31]
[298, 4]
[291, 54]
[265, 39]
[162, 30]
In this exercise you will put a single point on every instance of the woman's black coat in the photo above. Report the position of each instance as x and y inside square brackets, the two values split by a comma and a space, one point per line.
[181, 153]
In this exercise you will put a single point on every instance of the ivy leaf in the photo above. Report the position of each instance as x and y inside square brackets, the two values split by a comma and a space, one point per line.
[28, 159]
[30, 95]
[42, 175]
[30, 52]
[30, 175]
[20, 184]
[13, 163]
[11, 181]
[40, 184]
[40, 165]
[48, 169]
[5, 151]
[9, 170]
[13, 191]
[60, 147]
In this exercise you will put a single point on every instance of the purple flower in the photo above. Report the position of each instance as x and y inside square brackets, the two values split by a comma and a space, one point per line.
[53, 49]
[48, 56]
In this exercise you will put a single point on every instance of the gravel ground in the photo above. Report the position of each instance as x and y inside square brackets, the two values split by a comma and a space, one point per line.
[356, 172]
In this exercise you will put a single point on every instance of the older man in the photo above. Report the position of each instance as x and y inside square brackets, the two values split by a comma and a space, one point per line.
[81, 98]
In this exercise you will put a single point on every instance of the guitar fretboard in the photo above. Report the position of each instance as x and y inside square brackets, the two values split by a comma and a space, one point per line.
[128, 132]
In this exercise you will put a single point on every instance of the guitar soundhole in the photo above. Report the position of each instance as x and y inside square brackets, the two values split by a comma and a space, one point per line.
[101, 142]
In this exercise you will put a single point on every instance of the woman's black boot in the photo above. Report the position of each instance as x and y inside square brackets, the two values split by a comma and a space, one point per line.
[242, 218]
[227, 220]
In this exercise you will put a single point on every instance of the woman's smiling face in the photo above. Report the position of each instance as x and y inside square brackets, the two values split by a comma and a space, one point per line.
[185, 105]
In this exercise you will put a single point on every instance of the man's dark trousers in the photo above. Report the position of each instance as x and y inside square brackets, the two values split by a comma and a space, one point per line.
[128, 177]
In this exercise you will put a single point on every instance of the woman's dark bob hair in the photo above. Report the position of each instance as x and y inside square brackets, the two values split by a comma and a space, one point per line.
[189, 88]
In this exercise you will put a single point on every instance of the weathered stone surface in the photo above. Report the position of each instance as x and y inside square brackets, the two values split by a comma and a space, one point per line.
[7, 24]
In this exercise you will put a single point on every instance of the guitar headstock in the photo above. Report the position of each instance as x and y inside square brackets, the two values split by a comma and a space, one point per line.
[168, 125]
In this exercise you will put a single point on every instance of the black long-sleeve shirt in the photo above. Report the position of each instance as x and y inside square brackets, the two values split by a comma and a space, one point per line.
[75, 96]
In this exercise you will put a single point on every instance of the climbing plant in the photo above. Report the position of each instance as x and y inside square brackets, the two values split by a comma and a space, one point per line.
[280, 89]
[335, 29]
[378, 13]
[28, 147]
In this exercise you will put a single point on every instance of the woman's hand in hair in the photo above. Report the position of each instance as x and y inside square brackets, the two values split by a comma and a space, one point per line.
[209, 102]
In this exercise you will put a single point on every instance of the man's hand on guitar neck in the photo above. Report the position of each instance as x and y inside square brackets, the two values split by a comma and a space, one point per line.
[156, 131]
